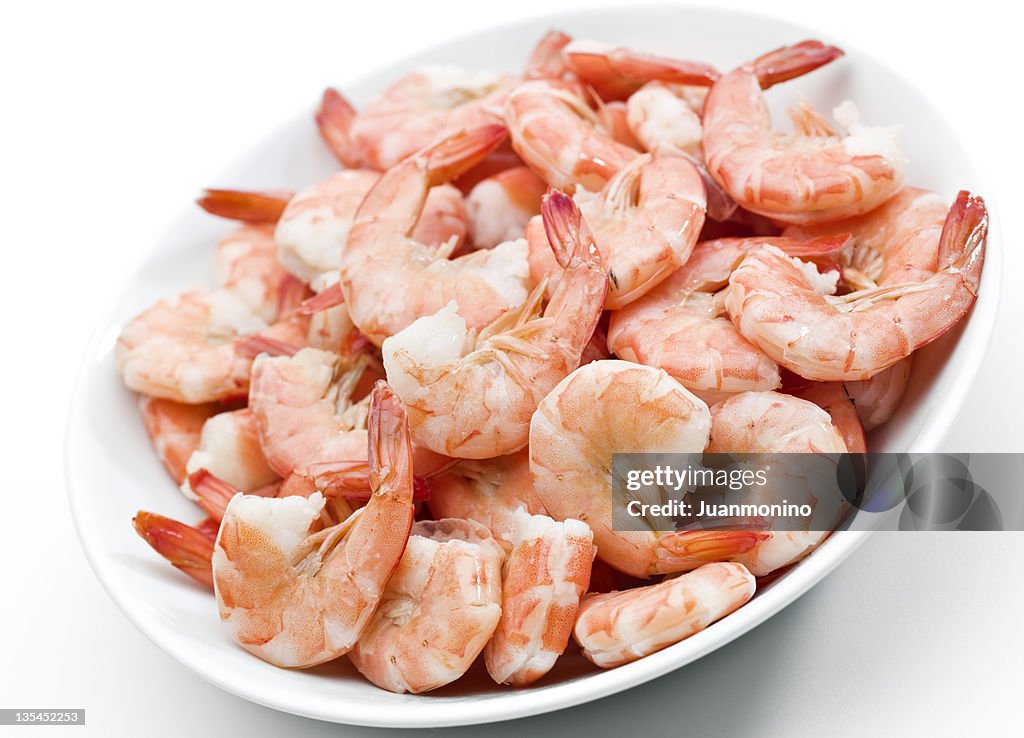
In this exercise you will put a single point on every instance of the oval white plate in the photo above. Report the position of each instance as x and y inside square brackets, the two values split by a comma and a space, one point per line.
[112, 471]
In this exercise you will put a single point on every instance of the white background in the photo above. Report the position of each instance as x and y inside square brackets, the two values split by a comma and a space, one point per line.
[114, 115]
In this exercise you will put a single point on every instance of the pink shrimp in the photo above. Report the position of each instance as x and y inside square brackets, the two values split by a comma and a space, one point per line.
[812, 177]
[380, 254]
[783, 305]
[418, 109]
[295, 597]
[681, 326]
[619, 627]
[646, 221]
[557, 135]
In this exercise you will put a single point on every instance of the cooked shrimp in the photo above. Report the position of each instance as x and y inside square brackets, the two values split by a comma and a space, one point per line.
[877, 398]
[438, 610]
[473, 396]
[646, 221]
[380, 254]
[558, 135]
[611, 407]
[681, 326]
[896, 243]
[619, 627]
[190, 548]
[490, 492]
[616, 73]
[545, 574]
[500, 206]
[784, 305]
[296, 598]
[229, 448]
[420, 108]
[174, 430]
[811, 177]
[187, 348]
[773, 423]
[313, 229]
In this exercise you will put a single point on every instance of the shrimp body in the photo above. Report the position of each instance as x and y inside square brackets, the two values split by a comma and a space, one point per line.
[645, 220]
[500, 206]
[174, 430]
[297, 598]
[557, 135]
[681, 325]
[438, 610]
[608, 407]
[229, 448]
[314, 227]
[619, 627]
[812, 176]
[380, 253]
[417, 110]
[474, 398]
[546, 573]
[784, 305]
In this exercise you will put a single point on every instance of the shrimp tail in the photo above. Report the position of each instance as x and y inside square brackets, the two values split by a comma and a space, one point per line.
[962, 243]
[185, 547]
[291, 294]
[804, 248]
[788, 62]
[639, 65]
[689, 549]
[253, 346]
[334, 118]
[248, 207]
[390, 445]
[460, 152]
[213, 493]
[546, 60]
[329, 298]
[567, 231]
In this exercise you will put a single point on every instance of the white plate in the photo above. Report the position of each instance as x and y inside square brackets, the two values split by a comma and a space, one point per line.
[112, 471]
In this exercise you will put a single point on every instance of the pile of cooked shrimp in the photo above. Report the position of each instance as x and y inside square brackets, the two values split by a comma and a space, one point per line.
[398, 406]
